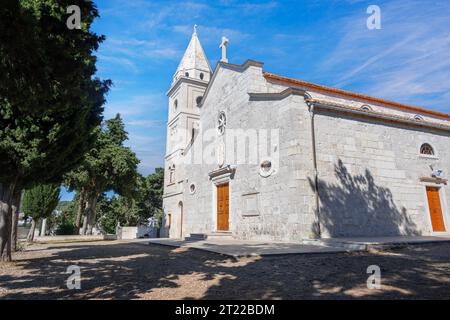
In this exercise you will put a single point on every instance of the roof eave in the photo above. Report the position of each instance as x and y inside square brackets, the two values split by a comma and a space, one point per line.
[349, 94]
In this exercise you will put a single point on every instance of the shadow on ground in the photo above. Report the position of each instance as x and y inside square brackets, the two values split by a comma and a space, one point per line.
[131, 271]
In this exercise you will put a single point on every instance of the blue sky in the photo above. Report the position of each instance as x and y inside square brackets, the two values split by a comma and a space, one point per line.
[326, 42]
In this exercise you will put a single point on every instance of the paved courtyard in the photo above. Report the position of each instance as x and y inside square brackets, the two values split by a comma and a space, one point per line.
[124, 270]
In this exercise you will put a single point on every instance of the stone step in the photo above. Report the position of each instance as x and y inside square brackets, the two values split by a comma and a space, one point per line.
[222, 235]
[196, 237]
[336, 243]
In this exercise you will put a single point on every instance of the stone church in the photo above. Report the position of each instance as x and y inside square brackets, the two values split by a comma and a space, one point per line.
[253, 155]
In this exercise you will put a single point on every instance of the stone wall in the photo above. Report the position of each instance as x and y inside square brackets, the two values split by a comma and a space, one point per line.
[370, 176]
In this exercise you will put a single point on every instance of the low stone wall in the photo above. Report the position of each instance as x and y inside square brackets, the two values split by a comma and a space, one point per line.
[136, 232]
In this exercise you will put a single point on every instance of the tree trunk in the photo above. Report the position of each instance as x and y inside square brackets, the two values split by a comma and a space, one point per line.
[90, 213]
[83, 229]
[30, 237]
[15, 219]
[43, 227]
[81, 208]
[5, 221]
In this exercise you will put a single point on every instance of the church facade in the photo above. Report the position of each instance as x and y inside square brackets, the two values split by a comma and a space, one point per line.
[256, 156]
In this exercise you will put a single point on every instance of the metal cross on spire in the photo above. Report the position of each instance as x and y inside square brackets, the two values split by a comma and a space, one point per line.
[223, 46]
[195, 28]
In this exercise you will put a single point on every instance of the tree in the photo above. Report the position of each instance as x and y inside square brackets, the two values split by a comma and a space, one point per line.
[117, 210]
[145, 202]
[39, 203]
[62, 222]
[150, 193]
[50, 99]
[109, 165]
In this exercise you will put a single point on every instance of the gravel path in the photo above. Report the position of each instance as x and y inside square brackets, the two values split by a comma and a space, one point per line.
[118, 270]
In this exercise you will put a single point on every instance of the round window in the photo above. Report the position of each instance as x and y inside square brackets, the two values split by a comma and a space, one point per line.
[221, 123]
[266, 168]
[192, 188]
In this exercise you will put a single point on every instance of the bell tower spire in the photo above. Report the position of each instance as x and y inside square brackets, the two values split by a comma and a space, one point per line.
[194, 63]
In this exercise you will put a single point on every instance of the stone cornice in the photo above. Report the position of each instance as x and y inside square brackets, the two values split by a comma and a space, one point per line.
[168, 195]
[434, 180]
[190, 114]
[182, 79]
[226, 170]
[271, 96]
[341, 108]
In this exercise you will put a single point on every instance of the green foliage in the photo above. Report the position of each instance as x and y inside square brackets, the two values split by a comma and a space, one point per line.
[65, 206]
[107, 216]
[65, 228]
[40, 201]
[155, 188]
[109, 165]
[145, 202]
[117, 210]
[63, 222]
[50, 100]
[149, 194]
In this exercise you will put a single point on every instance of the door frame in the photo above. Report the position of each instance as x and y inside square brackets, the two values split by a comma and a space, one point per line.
[219, 176]
[214, 185]
[444, 207]
[181, 211]
[216, 220]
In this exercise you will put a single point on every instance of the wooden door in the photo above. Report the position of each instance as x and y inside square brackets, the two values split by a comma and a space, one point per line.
[434, 203]
[223, 207]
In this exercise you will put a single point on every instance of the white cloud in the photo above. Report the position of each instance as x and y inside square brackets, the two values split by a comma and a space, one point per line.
[257, 7]
[131, 48]
[122, 62]
[146, 123]
[149, 150]
[407, 60]
[136, 105]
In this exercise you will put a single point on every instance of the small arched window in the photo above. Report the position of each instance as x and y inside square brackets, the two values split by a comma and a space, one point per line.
[201, 75]
[175, 104]
[187, 74]
[198, 100]
[426, 149]
[366, 108]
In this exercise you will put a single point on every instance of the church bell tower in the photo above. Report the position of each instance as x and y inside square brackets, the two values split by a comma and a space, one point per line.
[185, 94]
